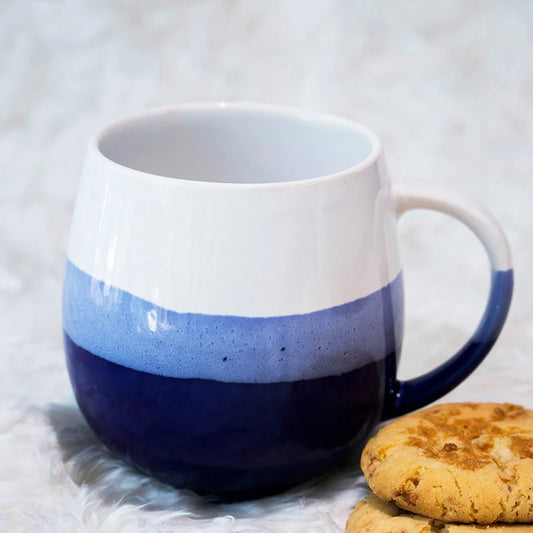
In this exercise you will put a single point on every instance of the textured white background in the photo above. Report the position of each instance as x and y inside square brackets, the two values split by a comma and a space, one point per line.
[447, 84]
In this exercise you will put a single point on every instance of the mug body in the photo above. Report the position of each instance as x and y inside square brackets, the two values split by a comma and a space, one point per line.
[232, 305]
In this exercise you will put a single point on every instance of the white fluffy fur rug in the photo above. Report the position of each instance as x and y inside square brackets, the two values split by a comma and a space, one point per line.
[57, 477]
[448, 87]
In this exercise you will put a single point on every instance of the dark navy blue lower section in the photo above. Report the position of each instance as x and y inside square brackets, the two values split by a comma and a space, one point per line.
[232, 440]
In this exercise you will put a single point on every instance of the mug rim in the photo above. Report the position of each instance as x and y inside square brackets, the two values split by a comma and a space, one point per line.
[94, 148]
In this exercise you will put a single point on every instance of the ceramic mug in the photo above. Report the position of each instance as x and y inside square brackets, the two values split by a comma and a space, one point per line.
[233, 301]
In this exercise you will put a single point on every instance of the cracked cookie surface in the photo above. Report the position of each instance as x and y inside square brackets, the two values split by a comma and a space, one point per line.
[373, 515]
[456, 462]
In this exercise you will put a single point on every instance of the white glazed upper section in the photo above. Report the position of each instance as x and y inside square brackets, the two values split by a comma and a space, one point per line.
[261, 247]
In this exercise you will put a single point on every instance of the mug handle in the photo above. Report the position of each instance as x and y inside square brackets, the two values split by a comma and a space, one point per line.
[408, 395]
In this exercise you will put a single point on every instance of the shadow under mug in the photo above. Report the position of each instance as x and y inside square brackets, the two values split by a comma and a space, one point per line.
[233, 300]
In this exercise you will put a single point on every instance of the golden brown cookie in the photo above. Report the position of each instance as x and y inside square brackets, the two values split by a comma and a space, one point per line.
[373, 515]
[462, 462]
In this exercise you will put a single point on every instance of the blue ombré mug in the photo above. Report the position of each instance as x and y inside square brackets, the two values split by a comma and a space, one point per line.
[233, 302]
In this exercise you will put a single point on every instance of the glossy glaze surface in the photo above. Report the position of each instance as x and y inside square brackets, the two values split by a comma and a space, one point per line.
[218, 250]
[138, 334]
[230, 440]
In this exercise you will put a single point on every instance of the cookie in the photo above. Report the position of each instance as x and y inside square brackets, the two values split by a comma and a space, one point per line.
[462, 462]
[373, 515]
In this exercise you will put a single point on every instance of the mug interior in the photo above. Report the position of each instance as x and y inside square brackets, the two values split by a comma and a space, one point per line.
[236, 144]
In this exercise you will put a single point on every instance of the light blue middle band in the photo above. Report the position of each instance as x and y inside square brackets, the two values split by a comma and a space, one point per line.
[135, 333]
